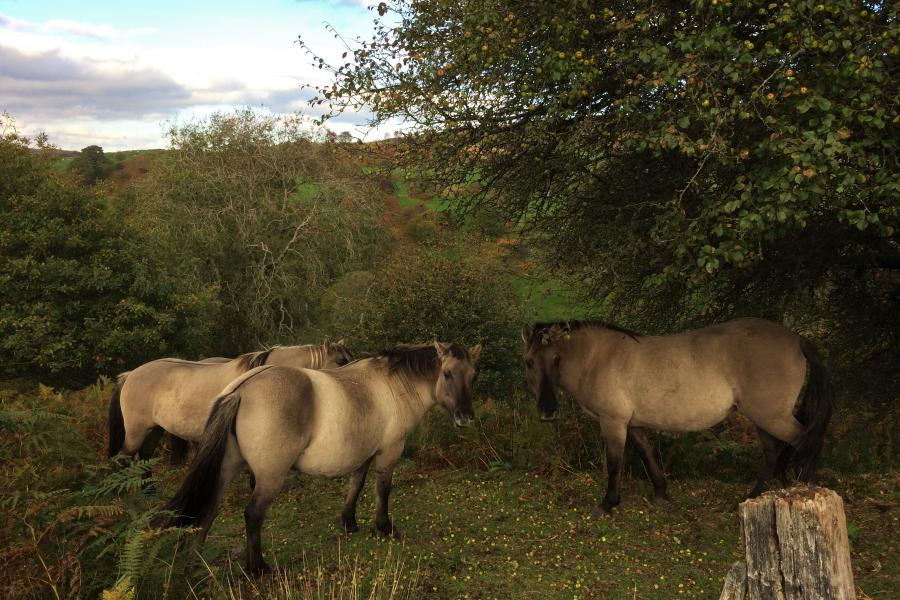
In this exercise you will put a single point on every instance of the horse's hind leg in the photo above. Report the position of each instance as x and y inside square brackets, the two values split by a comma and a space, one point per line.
[638, 437]
[357, 480]
[263, 494]
[772, 448]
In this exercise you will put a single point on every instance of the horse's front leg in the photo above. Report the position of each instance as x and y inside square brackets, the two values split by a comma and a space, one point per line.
[357, 480]
[385, 461]
[615, 434]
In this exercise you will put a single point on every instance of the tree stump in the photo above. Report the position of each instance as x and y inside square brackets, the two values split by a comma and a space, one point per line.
[795, 547]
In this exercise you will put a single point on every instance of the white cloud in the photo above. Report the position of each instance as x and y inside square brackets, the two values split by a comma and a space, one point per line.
[85, 83]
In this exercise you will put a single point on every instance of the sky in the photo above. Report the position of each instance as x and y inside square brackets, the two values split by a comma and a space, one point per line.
[113, 73]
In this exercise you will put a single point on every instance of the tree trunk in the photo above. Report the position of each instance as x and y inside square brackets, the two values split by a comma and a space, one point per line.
[795, 547]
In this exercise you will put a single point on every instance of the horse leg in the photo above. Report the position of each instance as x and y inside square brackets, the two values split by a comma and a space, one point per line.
[383, 487]
[784, 430]
[148, 447]
[772, 448]
[263, 494]
[638, 437]
[357, 480]
[615, 434]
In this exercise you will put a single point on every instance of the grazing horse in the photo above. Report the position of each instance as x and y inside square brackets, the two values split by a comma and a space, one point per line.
[176, 396]
[685, 382]
[329, 423]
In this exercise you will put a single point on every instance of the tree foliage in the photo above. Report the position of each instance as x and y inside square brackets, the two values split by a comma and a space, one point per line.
[269, 216]
[656, 147]
[443, 294]
[91, 165]
[81, 293]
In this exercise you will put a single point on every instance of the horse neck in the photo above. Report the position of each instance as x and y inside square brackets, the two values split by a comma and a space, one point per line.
[414, 394]
[582, 348]
[305, 357]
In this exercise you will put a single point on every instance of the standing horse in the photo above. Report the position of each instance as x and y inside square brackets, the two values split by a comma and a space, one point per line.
[329, 423]
[685, 382]
[176, 396]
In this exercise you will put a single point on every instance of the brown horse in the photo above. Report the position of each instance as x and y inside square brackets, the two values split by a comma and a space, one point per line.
[685, 382]
[329, 423]
[176, 396]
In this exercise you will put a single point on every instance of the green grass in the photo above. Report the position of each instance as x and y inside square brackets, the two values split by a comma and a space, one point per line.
[307, 191]
[548, 299]
[60, 165]
[406, 200]
[126, 154]
[515, 534]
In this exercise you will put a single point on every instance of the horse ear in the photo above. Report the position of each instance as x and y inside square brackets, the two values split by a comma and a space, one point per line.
[341, 342]
[327, 344]
[475, 352]
[442, 349]
[526, 333]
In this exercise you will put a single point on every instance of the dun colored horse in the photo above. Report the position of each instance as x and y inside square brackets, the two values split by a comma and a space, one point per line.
[685, 382]
[329, 423]
[176, 396]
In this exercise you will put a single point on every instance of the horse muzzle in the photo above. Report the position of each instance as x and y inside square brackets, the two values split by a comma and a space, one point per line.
[461, 420]
[548, 416]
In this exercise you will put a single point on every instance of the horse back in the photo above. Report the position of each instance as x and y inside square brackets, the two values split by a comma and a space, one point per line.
[174, 394]
[692, 380]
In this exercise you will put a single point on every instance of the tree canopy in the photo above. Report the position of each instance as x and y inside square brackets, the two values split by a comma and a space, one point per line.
[705, 152]
[80, 291]
[91, 164]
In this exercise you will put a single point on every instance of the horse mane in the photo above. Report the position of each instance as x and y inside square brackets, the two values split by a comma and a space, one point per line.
[251, 360]
[416, 359]
[540, 329]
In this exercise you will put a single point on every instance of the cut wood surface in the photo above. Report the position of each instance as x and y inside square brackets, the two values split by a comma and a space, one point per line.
[795, 547]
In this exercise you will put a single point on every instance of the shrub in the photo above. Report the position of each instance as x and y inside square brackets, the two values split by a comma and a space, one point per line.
[422, 296]
[80, 291]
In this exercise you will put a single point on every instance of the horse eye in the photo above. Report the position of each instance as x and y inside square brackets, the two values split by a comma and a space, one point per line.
[448, 375]
[341, 362]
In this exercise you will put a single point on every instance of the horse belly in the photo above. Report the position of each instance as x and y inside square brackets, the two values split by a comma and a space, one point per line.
[333, 457]
[691, 412]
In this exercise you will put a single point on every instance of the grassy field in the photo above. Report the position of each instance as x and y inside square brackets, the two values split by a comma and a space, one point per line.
[483, 530]
[517, 534]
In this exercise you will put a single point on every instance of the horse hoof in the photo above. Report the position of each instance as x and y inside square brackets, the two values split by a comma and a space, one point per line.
[259, 569]
[390, 531]
[661, 497]
[349, 526]
[601, 512]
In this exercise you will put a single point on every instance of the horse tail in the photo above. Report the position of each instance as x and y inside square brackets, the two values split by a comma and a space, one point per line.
[814, 413]
[196, 498]
[115, 420]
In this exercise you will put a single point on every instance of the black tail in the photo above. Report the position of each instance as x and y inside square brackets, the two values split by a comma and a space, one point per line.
[115, 420]
[196, 497]
[814, 413]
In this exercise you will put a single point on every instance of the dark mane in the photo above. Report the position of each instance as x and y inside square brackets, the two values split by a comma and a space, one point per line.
[417, 359]
[540, 328]
[252, 360]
